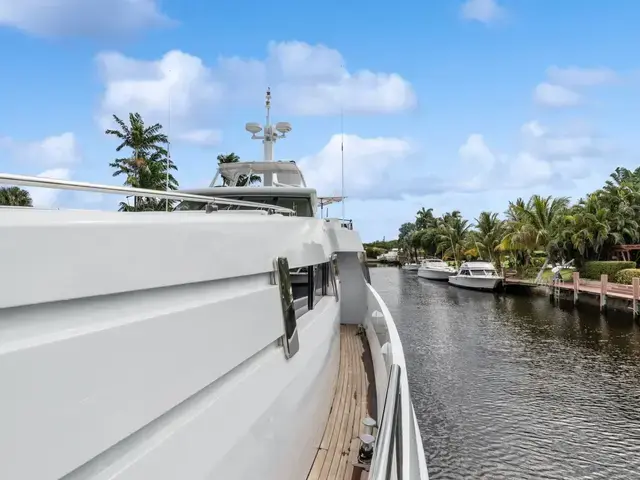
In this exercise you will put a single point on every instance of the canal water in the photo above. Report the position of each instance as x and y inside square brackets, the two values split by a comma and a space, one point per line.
[511, 387]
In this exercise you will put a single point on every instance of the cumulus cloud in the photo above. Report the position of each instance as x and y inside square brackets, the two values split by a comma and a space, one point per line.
[47, 197]
[485, 11]
[81, 18]
[304, 79]
[581, 77]
[366, 164]
[56, 154]
[549, 95]
[475, 152]
[54, 151]
[545, 157]
[562, 89]
[204, 137]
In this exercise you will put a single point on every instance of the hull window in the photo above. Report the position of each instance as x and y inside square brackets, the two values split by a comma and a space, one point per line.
[311, 283]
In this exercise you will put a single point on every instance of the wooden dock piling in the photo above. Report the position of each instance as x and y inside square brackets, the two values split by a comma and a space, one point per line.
[636, 295]
[604, 282]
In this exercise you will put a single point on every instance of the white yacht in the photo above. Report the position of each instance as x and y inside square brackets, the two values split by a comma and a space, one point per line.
[477, 275]
[412, 267]
[171, 345]
[392, 255]
[435, 269]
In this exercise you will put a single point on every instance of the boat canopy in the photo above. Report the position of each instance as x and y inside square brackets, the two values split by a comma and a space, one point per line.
[478, 266]
[277, 174]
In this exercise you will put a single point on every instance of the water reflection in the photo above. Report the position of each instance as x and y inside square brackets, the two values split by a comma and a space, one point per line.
[514, 387]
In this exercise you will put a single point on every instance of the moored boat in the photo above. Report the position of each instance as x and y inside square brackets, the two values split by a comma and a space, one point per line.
[411, 267]
[477, 275]
[435, 269]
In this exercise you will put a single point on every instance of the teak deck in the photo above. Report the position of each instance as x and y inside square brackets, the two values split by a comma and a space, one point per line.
[340, 443]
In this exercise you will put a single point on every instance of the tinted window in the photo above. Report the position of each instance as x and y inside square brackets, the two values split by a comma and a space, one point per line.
[302, 206]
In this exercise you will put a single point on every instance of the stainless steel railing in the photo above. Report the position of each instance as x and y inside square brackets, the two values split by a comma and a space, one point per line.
[29, 181]
[389, 439]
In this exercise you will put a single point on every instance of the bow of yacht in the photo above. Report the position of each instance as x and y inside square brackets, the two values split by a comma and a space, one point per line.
[237, 337]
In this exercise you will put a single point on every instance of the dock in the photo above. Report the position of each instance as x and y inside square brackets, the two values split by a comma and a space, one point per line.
[602, 289]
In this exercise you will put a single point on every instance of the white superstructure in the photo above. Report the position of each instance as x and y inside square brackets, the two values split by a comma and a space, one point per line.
[154, 345]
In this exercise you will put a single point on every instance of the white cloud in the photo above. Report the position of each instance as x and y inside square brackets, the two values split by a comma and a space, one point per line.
[533, 129]
[560, 91]
[57, 150]
[54, 151]
[366, 164]
[485, 11]
[581, 77]
[203, 137]
[526, 169]
[53, 18]
[46, 197]
[546, 156]
[550, 95]
[305, 79]
[476, 152]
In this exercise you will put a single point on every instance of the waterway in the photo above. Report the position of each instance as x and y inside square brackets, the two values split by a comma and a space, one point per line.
[513, 387]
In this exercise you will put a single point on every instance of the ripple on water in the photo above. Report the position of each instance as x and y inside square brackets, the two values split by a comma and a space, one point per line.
[513, 387]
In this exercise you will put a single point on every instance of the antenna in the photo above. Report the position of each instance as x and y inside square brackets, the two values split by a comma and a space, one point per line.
[267, 104]
[270, 134]
[168, 148]
[342, 148]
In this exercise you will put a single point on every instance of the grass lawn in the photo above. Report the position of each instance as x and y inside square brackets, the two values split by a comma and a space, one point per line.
[547, 275]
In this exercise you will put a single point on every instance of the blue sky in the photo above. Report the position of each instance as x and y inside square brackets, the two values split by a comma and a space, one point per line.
[450, 104]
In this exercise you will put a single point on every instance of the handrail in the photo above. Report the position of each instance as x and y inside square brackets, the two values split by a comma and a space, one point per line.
[30, 181]
[389, 433]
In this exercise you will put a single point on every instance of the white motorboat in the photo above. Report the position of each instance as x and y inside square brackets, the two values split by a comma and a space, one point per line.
[435, 269]
[477, 275]
[171, 345]
[412, 267]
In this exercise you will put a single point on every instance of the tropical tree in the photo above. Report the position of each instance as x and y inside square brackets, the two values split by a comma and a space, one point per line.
[541, 227]
[148, 165]
[487, 237]
[451, 236]
[15, 196]
[242, 179]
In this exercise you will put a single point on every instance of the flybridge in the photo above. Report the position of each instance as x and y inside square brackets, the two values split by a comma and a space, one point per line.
[247, 174]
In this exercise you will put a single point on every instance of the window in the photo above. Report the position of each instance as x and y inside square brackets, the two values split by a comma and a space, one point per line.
[302, 206]
[312, 283]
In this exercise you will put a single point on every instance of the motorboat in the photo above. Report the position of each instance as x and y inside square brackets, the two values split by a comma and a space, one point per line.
[477, 275]
[172, 345]
[411, 267]
[391, 256]
[435, 269]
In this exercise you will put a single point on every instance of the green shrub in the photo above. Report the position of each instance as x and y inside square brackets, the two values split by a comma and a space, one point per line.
[626, 276]
[530, 271]
[593, 270]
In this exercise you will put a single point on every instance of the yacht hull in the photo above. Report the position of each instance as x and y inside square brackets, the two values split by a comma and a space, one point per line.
[476, 283]
[433, 274]
[168, 363]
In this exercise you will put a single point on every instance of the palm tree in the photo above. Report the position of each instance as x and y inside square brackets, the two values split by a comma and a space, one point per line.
[242, 179]
[147, 165]
[451, 236]
[535, 226]
[15, 197]
[487, 236]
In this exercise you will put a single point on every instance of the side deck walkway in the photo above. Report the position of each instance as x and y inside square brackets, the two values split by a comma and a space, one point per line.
[339, 447]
